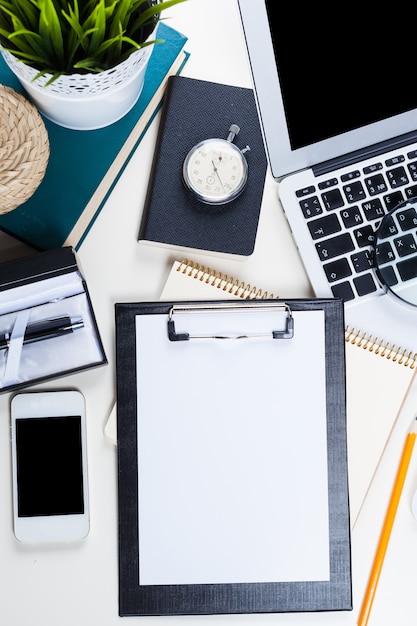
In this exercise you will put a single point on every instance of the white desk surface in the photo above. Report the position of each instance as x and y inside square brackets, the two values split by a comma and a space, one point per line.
[77, 584]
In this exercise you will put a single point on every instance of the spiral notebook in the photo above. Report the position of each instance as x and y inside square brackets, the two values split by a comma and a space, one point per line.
[371, 365]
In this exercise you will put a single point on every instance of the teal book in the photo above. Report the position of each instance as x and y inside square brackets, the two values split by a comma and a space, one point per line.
[84, 166]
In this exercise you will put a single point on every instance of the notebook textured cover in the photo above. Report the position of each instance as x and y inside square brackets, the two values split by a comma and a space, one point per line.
[84, 166]
[195, 110]
[232, 535]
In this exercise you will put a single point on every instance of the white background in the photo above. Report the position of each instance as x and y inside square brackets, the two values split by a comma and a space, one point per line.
[77, 584]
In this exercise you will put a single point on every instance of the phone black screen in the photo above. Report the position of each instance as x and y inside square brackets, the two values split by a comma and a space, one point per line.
[49, 466]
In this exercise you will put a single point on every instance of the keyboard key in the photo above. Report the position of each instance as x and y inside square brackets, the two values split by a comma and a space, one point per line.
[388, 276]
[336, 270]
[395, 160]
[362, 261]
[311, 207]
[397, 177]
[407, 219]
[350, 176]
[405, 245]
[326, 184]
[411, 192]
[354, 192]
[384, 253]
[324, 226]
[412, 168]
[336, 246]
[408, 268]
[364, 236]
[389, 228]
[364, 284]
[351, 216]
[371, 169]
[332, 199]
[344, 291]
[373, 209]
[306, 191]
[376, 184]
[393, 199]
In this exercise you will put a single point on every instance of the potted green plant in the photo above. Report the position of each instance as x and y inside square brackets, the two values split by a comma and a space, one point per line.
[70, 54]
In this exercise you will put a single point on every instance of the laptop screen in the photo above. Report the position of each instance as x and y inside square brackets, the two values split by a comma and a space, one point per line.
[342, 72]
[328, 84]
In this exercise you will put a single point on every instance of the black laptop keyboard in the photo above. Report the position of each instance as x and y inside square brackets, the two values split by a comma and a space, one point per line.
[343, 212]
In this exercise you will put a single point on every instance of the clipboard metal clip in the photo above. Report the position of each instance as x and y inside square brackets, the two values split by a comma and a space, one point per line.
[286, 333]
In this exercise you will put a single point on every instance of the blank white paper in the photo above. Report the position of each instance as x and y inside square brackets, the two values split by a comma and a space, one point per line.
[232, 451]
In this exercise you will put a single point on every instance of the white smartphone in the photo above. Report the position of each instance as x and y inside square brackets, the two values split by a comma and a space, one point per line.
[49, 466]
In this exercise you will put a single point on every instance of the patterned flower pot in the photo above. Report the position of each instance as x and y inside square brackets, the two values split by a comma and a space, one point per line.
[85, 101]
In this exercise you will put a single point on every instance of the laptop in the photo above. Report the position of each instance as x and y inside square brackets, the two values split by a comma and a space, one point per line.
[338, 110]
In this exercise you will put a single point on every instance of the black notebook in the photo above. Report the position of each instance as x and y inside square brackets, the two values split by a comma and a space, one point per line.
[233, 490]
[195, 110]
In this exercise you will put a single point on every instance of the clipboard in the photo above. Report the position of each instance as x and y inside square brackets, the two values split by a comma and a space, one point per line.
[232, 460]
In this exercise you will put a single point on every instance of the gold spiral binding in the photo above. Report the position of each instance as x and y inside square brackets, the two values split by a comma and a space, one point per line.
[226, 283]
[383, 349]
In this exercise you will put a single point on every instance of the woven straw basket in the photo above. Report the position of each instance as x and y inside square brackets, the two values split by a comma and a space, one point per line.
[24, 149]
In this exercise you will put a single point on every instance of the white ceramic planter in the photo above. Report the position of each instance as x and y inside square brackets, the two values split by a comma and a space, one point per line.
[85, 101]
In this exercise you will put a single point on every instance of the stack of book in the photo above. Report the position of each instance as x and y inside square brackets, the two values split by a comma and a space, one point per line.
[84, 166]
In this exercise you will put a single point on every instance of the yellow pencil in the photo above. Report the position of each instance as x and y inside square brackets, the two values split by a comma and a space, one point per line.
[387, 527]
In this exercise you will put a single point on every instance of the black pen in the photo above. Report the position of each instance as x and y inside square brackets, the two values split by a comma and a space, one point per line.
[50, 328]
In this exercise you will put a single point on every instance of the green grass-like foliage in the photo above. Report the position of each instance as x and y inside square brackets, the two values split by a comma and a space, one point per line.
[77, 36]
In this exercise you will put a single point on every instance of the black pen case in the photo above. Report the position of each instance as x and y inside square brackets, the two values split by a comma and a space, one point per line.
[47, 323]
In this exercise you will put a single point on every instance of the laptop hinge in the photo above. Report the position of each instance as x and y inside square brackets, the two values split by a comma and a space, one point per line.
[364, 153]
